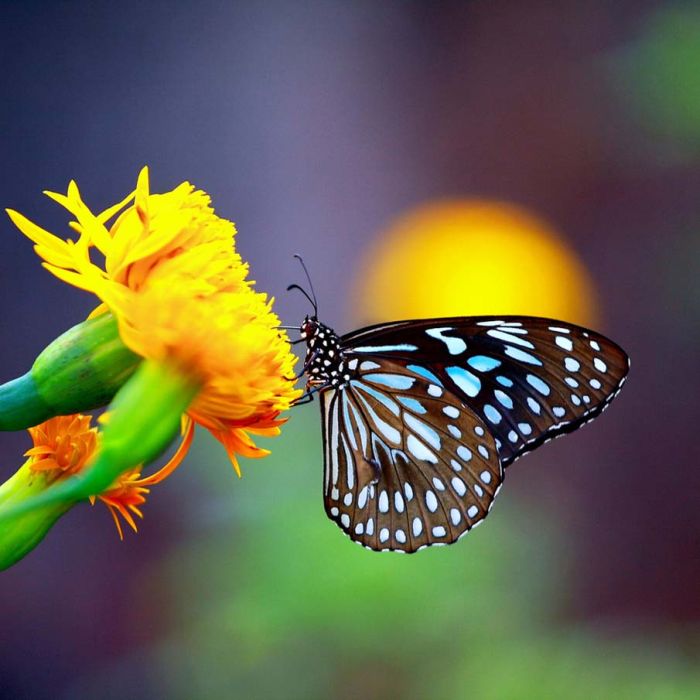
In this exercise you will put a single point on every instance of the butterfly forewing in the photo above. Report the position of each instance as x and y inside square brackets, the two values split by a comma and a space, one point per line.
[529, 379]
[407, 463]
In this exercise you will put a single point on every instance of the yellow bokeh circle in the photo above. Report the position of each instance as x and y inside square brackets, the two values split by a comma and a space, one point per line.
[471, 257]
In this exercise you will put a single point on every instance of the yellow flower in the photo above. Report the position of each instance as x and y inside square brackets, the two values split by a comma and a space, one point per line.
[64, 445]
[181, 296]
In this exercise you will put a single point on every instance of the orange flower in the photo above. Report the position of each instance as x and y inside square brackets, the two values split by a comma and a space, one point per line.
[65, 445]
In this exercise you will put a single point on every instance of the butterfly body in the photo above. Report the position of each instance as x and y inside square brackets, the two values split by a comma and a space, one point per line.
[421, 417]
[325, 363]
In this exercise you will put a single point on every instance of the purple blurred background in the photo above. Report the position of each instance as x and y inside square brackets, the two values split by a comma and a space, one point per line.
[312, 124]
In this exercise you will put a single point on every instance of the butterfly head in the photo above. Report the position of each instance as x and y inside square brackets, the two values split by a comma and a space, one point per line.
[324, 363]
[309, 328]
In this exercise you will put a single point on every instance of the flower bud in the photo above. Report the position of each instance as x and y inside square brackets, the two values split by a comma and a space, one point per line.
[80, 370]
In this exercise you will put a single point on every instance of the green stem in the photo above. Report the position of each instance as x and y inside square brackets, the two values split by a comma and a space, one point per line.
[21, 534]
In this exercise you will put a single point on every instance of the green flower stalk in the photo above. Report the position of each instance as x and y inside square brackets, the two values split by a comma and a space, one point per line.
[144, 418]
[21, 534]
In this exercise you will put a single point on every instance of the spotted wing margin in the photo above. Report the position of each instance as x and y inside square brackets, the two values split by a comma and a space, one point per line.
[530, 379]
[407, 465]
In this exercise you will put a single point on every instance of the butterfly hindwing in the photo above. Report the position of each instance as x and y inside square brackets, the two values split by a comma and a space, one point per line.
[407, 463]
[529, 379]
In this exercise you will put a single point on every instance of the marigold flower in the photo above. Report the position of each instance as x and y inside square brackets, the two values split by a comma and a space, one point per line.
[180, 294]
[64, 445]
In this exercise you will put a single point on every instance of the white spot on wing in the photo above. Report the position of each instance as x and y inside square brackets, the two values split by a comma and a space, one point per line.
[419, 450]
[459, 486]
[417, 526]
[362, 497]
[571, 364]
[383, 502]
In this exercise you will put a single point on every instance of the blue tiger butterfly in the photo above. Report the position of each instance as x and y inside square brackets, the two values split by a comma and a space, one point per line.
[420, 418]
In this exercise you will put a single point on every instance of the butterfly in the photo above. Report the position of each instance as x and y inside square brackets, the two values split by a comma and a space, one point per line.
[420, 418]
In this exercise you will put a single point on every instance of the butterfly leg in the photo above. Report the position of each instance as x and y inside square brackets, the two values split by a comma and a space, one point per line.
[303, 370]
[307, 364]
[308, 396]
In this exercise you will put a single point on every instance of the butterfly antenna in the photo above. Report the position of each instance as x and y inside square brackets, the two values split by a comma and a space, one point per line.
[304, 292]
[312, 297]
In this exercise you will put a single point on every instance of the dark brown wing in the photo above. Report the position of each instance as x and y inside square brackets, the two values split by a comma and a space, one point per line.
[407, 463]
[529, 379]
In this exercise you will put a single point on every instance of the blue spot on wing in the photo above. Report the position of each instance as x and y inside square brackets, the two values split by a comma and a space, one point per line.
[412, 404]
[465, 380]
[492, 414]
[538, 384]
[483, 363]
[523, 356]
[503, 398]
[378, 395]
[393, 381]
[425, 373]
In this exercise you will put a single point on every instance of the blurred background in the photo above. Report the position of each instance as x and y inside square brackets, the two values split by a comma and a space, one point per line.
[426, 158]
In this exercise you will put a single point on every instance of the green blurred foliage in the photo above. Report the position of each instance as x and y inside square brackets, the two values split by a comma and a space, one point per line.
[660, 73]
[268, 599]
